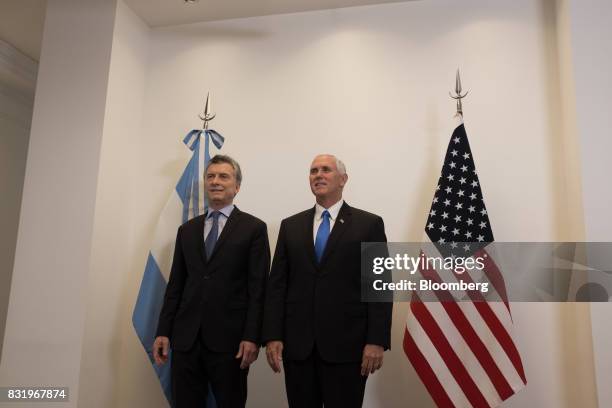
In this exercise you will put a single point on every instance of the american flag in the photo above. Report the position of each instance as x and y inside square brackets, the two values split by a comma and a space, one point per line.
[463, 351]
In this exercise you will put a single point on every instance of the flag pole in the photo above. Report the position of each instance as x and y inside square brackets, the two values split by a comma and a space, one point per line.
[458, 97]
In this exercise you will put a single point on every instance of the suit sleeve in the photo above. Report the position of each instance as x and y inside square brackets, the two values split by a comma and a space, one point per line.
[174, 289]
[380, 313]
[259, 265]
[274, 312]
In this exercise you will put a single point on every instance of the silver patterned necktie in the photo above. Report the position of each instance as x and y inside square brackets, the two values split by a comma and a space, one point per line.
[211, 239]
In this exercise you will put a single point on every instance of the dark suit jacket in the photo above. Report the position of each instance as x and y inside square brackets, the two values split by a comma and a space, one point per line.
[224, 295]
[308, 304]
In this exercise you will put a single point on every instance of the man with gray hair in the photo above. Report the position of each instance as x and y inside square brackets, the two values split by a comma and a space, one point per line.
[213, 307]
[314, 321]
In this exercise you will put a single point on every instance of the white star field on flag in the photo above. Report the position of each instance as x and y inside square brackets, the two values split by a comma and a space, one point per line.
[458, 212]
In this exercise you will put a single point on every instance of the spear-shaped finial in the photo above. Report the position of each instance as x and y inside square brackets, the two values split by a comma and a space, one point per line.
[458, 91]
[207, 116]
[458, 83]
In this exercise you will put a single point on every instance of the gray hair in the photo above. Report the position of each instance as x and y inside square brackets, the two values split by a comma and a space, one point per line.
[340, 165]
[221, 158]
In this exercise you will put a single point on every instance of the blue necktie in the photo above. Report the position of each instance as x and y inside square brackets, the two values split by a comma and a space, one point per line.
[211, 239]
[322, 235]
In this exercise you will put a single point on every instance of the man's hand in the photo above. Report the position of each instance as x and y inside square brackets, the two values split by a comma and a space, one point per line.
[274, 353]
[160, 349]
[248, 352]
[372, 359]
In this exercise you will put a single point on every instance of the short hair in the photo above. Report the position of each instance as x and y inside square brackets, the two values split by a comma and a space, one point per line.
[340, 165]
[221, 158]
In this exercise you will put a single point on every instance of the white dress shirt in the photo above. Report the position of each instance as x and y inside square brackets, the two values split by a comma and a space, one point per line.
[318, 217]
[225, 213]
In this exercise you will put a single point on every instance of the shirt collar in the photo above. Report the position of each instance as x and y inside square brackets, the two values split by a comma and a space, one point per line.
[225, 211]
[333, 210]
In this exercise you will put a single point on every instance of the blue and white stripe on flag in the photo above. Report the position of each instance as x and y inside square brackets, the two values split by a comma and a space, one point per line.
[186, 201]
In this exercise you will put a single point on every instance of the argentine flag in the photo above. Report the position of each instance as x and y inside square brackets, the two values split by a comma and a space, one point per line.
[186, 201]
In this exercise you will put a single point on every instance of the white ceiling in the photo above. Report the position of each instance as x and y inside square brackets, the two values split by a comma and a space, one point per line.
[21, 25]
[21, 21]
[170, 12]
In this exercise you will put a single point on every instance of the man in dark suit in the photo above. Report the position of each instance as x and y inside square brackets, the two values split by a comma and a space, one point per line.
[213, 307]
[314, 320]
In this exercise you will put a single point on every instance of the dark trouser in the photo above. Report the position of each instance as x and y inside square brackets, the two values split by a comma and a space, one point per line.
[313, 383]
[192, 371]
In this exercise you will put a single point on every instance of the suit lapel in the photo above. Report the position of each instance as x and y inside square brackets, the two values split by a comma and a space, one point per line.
[227, 230]
[198, 239]
[308, 237]
[340, 225]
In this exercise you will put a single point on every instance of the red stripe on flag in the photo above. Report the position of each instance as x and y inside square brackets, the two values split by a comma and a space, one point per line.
[500, 333]
[426, 373]
[452, 361]
[471, 338]
[497, 328]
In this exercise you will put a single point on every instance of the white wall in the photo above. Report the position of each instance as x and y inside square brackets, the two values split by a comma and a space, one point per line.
[45, 319]
[17, 82]
[113, 246]
[370, 84]
[591, 59]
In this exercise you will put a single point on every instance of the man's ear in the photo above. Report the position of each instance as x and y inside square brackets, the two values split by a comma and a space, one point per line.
[344, 178]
